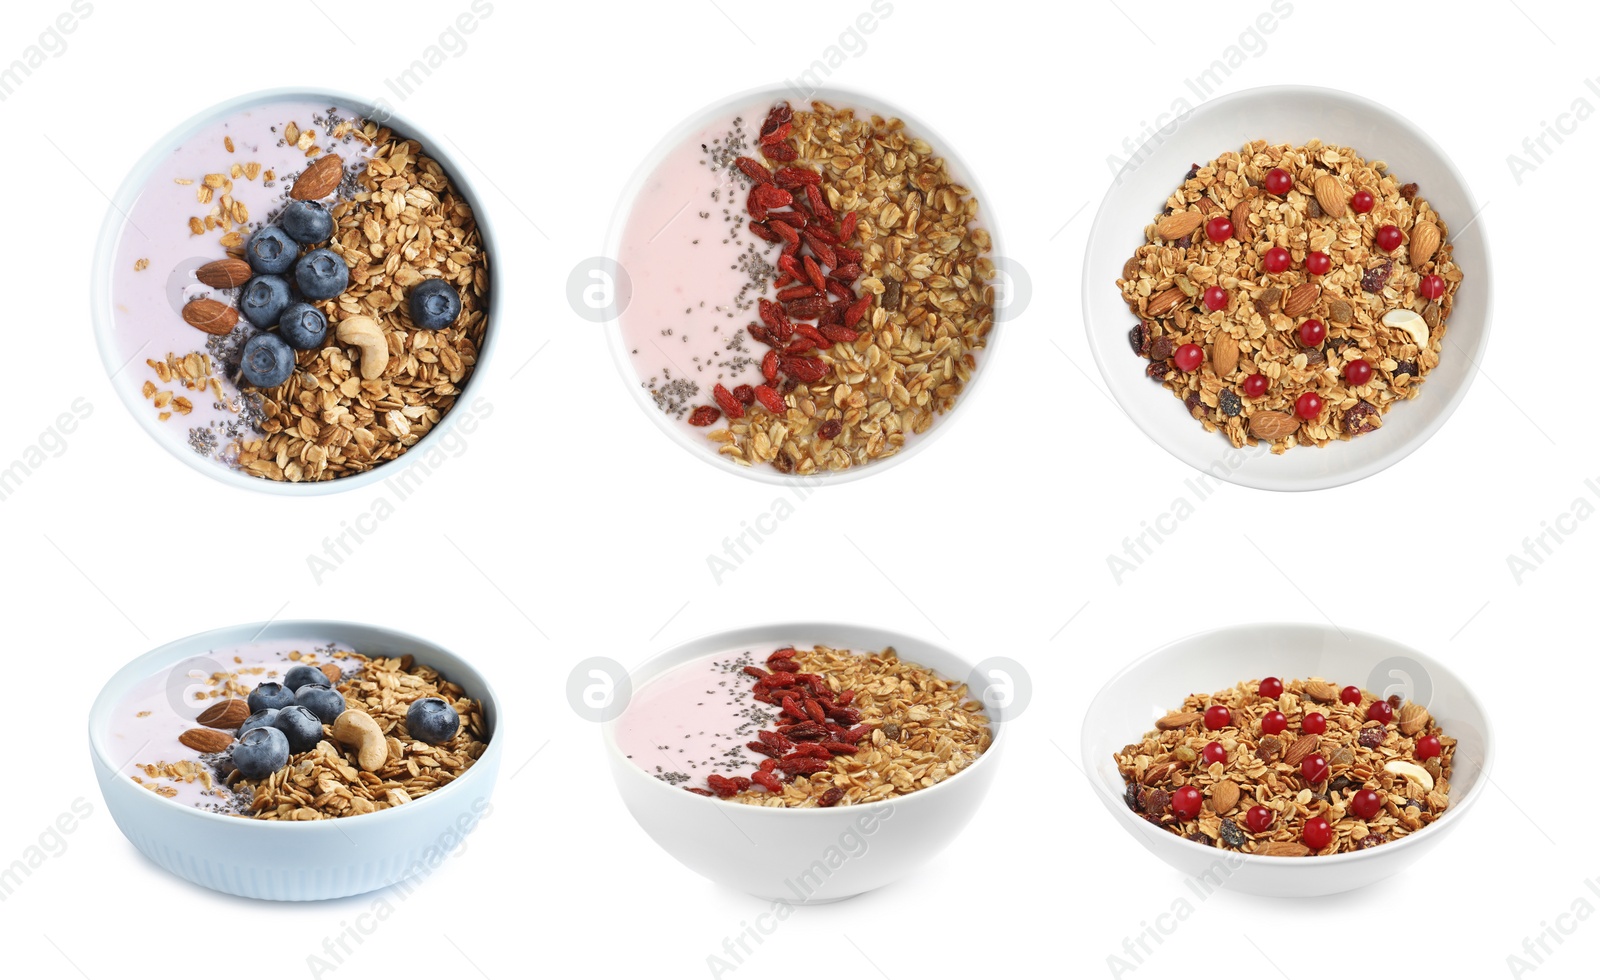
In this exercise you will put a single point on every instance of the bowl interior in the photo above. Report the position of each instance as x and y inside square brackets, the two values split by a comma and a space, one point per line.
[705, 449]
[1294, 115]
[101, 301]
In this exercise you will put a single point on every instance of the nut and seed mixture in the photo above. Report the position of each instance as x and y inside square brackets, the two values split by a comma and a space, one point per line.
[1255, 244]
[1298, 775]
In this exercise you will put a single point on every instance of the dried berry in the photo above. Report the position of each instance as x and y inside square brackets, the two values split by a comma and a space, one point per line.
[1408, 191]
[1200, 838]
[1139, 339]
[831, 797]
[754, 169]
[1405, 367]
[1156, 802]
[1358, 419]
[891, 731]
[1374, 279]
[1232, 836]
[1229, 402]
[1161, 348]
[1192, 402]
[1371, 840]
[704, 415]
[1372, 736]
[1157, 370]
[830, 429]
[745, 394]
[729, 404]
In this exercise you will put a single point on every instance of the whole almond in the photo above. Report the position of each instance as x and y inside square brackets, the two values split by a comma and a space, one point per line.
[1424, 242]
[1273, 426]
[1321, 691]
[206, 740]
[1179, 224]
[1302, 747]
[224, 273]
[229, 714]
[1301, 299]
[1283, 848]
[320, 179]
[211, 316]
[1241, 220]
[1224, 797]
[1413, 718]
[1224, 356]
[1330, 195]
[331, 672]
[1177, 719]
[1165, 301]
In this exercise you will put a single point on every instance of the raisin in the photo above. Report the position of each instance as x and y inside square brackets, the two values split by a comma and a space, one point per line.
[1358, 419]
[1405, 367]
[891, 295]
[1194, 170]
[1372, 736]
[1374, 279]
[1395, 701]
[1269, 749]
[1232, 835]
[1421, 806]
[1313, 209]
[1185, 241]
[1314, 357]
[831, 797]
[1408, 191]
[1157, 370]
[1371, 840]
[1200, 838]
[1193, 404]
[1130, 796]
[1139, 339]
[1340, 784]
[1156, 802]
[1229, 402]
[891, 731]
[1161, 348]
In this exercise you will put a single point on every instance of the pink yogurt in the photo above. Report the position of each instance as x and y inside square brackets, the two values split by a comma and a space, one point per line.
[695, 719]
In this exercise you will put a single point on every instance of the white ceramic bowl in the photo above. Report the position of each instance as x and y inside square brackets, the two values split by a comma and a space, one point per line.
[1284, 114]
[811, 855]
[704, 448]
[295, 860]
[1130, 703]
[100, 298]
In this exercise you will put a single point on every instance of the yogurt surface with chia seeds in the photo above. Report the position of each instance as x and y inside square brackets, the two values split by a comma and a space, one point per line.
[695, 719]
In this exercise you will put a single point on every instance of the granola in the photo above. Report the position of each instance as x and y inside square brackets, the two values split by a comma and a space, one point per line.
[1292, 294]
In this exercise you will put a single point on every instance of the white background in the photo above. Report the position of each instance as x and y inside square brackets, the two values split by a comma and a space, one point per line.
[569, 509]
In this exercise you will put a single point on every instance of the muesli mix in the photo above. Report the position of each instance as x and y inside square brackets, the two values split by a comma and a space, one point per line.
[804, 728]
[1291, 768]
[1292, 294]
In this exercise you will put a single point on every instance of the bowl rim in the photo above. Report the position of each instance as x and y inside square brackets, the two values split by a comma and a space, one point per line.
[653, 667]
[103, 320]
[1345, 475]
[166, 653]
[1452, 815]
[844, 97]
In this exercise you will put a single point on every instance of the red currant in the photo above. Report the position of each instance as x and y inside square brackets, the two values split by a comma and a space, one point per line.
[1255, 386]
[1318, 263]
[1214, 752]
[1271, 687]
[1219, 229]
[1428, 746]
[1366, 804]
[1276, 260]
[1216, 298]
[1350, 695]
[1258, 819]
[1188, 357]
[1316, 834]
[1380, 712]
[1389, 238]
[1314, 767]
[1313, 333]
[1358, 373]
[1186, 802]
[1278, 181]
[1218, 716]
[1314, 723]
[1361, 202]
[1273, 722]
[1431, 286]
[1308, 406]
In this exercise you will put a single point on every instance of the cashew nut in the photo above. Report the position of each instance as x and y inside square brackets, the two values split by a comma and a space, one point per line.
[364, 333]
[1411, 771]
[355, 729]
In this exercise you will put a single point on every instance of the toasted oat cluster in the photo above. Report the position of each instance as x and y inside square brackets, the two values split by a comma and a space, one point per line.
[923, 730]
[924, 264]
[1313, 770]
[1254, 245]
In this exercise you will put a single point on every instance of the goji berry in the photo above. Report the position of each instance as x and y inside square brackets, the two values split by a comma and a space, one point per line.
[721, 786]
[746, 396]
[795, 176]
[698, 791]
[767, 781]
[771, 196]
[786, 263]
[819, 205]
[849, 272]
[792, 710]
[813, 272]
[767, 765]
[794, 218]
[783, 229]
[780, 152]
[843, 291]
[740, 783]
[762, 232]
[831, 797]
[817, 338]
[778, 135]
[806, 307]
[754, 169]
[704, 415]
[847, 254]
[815, 711]
[857, 310]
[858, 733]
[730, 405]
[824, 235]
[842, 714]
[774, 317]
[804, 369]
[830, 429]
[810, 750]
[847, 227]
[769, 370]
[839, 748]
[763, 748]
[845, 697]
[820, 247]
[801, 766]
[755, 671]
[775, 740]
[783, 664]
[797, 291]
[805, 731]
[770, 399]
[804, 345]
[839, 335]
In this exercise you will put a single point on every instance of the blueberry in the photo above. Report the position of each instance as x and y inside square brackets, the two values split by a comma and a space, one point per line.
[321, 274]
[324, 702]
[263, 300]
[303, 326]
[269, 694]
[266, 360]
[302, 674]
[432, 720]
[271, 250]
[301, 725]
[261, 719]
[307, 222]
[260, 752]
[434, 304]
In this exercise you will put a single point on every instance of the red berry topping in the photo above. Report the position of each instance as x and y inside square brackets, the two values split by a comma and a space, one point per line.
[1431, 286]
[1380, 712]
[1389, 238]
[1273, 722]
[1361, 202]
[1428, 746]
[1255, 386]
[1186, 802]
[1269, 687]
[1219, 229]
[1313, 333]
[1350, 695]
[1188, 357]
[1216, 298]
[1276, 260]
[1278, 181]
[1314, 723]
[1366, 804]
[1258, 819]
[1358, 373]
[1218, 716]
[1317, 834]
[1308, 406]
[1314, 767]
[1318, 263]
[1214, 752]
